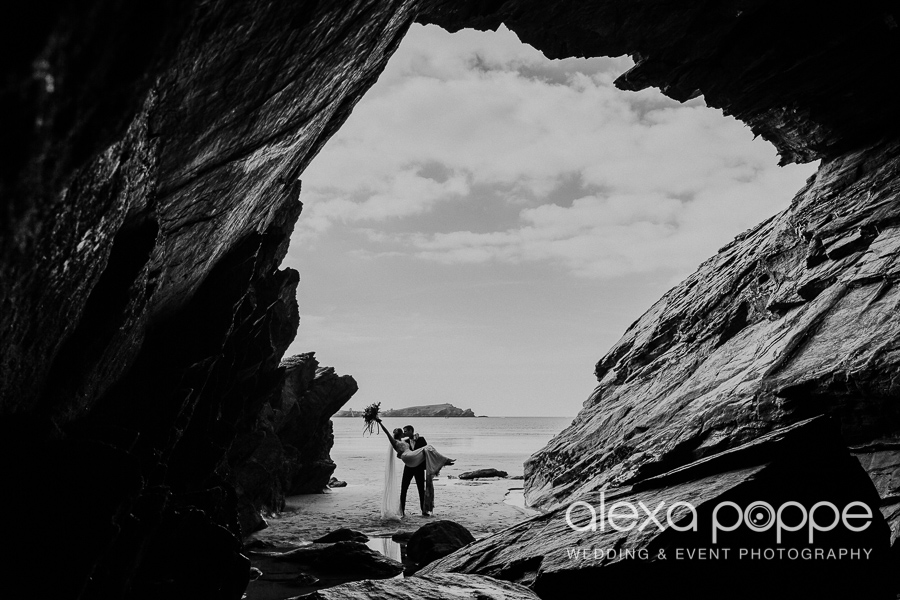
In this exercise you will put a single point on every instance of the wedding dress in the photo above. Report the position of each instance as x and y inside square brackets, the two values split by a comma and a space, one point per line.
[390, 502]
[434, 460]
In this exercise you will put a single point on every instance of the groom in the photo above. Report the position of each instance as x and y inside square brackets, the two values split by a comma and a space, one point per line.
[415, 442]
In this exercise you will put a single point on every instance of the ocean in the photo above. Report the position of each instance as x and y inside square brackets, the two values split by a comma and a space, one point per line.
[476, 443]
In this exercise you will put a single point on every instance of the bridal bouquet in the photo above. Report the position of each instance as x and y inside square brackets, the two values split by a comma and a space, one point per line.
[370, 415]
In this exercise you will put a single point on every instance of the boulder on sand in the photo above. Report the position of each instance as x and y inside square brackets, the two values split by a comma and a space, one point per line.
[436, 540]
[346, 559]
[480, 473]
[342, 535]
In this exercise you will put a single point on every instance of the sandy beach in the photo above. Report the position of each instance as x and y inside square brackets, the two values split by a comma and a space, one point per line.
[482, 506]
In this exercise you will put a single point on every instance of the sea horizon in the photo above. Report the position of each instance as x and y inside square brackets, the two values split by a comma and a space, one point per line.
[502, 442]
[468, 417]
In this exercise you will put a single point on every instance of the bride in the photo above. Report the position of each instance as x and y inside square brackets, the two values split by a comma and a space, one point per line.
[434, 462]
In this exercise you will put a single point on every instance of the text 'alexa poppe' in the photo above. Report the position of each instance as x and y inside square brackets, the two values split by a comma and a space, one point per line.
[792, 507]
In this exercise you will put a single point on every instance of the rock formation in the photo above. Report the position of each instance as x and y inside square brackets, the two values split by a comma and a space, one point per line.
[346, 559]
[149, 184]
[307, 405]
[436, 540]
[287, 572]
[342, 535]
[149, 188]
[796, 317]
[804, 463]
[286, 450]
[479, 473]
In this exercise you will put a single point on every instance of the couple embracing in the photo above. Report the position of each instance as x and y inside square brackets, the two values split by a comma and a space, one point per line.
[420, 462]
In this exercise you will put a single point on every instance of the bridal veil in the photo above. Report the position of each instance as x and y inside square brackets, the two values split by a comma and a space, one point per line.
[390, 502]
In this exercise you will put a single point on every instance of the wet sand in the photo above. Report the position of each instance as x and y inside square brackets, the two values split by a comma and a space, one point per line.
[481, 506]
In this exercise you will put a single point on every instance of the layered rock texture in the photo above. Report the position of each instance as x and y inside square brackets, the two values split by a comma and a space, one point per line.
[149, 184]
[800, 74]
[796, 317]
[804, 463]
[433, 587]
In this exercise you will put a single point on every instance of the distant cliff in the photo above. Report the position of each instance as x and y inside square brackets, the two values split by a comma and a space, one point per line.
[431, 410]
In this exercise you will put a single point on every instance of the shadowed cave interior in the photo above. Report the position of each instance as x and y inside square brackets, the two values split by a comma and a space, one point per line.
[150, 183]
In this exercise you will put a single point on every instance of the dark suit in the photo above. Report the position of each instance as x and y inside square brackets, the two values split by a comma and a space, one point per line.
[414, 472]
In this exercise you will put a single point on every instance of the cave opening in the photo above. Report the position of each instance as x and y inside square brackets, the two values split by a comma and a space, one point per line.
[490, 212]
[480, 231]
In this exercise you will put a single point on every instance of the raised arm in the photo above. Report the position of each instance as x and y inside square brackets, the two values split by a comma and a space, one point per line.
[390, 437]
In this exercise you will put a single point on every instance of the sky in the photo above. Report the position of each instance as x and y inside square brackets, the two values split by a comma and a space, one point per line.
[488, 222]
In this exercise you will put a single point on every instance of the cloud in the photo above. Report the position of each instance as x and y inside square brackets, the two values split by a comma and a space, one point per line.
[467, 118]
[617, 235]
[399, 194]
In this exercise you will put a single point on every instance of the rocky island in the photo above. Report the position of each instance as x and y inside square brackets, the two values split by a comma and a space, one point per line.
[150, 185]
[429, 410]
